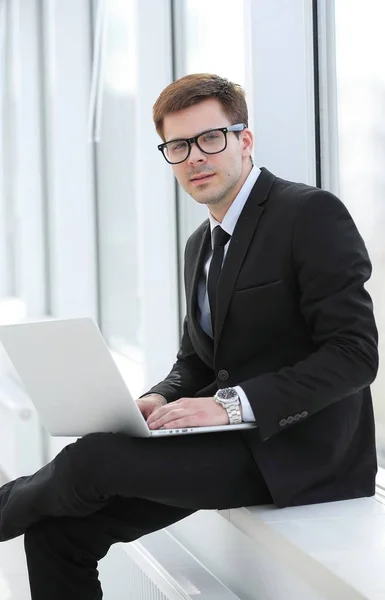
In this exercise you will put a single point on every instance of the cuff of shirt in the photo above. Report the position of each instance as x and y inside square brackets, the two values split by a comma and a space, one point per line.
[247, 411]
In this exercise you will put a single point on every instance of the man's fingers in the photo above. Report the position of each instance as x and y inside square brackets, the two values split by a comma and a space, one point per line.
[188, 412]
[163, 420]
[147, 407]
[190, 421]
[177, 423]
[161, 411]
[162, 417]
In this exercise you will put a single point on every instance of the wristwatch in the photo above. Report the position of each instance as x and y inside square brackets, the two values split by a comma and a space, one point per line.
[229, 399]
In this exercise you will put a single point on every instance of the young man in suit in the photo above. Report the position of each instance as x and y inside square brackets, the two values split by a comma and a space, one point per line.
[279, 331]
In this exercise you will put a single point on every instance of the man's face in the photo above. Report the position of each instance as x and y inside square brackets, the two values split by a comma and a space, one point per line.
[225, 172]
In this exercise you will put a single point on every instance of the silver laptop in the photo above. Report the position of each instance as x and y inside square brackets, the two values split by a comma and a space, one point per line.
[74, 383]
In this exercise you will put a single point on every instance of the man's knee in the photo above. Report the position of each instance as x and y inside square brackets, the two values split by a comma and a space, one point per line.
[93, 460]
[90, 452]
[100, 444]
[93, 443]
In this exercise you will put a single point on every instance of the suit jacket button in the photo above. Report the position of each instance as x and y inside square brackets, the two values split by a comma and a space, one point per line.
[290, 420]
[304, 414]
[223, 375]
[282, 423]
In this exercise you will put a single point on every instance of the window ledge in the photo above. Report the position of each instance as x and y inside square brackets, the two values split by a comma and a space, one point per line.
[339, 547]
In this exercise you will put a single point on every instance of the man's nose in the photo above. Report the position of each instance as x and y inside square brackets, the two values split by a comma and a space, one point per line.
[196, 155]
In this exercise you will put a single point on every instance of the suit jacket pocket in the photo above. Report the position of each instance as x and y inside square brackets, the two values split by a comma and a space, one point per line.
[259, 286]
[264, 311]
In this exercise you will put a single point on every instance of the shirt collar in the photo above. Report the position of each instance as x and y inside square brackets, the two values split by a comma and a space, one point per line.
[231, 217]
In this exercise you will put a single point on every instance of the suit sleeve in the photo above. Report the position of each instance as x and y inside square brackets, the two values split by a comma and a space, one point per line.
[332, 266]
[188, 375]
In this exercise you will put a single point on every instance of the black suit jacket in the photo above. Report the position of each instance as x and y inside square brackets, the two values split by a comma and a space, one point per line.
[295, 329]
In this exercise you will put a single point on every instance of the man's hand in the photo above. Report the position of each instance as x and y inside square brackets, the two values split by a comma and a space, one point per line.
[149, 403]
[188, 412]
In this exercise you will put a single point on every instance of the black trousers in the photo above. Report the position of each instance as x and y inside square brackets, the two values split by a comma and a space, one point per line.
[107, 488]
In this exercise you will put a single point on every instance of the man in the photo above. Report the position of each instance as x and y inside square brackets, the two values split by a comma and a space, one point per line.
[279, 330]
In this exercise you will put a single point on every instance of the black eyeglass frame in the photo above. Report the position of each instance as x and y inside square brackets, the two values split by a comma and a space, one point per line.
[194, 140]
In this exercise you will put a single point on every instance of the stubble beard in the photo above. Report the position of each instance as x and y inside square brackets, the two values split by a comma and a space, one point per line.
[217, 199]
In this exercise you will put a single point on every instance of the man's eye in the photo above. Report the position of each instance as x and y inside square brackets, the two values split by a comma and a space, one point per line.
[210, 136]
[179, 146]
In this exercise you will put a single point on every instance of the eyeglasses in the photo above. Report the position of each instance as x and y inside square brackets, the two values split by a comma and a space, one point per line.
[212, 141]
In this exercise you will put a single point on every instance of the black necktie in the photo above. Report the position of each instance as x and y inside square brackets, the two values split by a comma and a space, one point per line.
[220, 239]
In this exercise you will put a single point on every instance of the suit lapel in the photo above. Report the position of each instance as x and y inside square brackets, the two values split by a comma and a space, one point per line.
[199, 252]
[238, 247]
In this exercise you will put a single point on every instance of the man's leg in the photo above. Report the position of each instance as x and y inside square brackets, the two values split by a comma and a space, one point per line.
[100, 477]
[63, 552]
[213, 470]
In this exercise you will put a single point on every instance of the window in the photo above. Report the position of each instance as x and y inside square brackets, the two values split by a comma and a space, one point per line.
[136, 235]
[215, 39]
[116, 154]
[22, 234]
[360, 51]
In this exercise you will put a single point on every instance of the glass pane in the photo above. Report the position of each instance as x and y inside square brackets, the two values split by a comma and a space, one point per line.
[360, 48]
[213, 41]
[8, 153]
[121, 318]
[215, 38]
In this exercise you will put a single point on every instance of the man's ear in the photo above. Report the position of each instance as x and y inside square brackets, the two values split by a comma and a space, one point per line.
[247, 142]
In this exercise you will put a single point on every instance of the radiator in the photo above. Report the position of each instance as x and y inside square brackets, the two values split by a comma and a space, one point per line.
[161, 566]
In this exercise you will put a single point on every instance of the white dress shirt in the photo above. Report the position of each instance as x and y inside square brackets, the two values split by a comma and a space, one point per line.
[228, 224]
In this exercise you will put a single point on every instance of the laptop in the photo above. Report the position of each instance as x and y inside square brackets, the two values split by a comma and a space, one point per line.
[74, 383]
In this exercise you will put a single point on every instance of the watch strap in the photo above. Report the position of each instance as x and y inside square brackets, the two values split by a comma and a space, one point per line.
[234, 413]
[233, 409]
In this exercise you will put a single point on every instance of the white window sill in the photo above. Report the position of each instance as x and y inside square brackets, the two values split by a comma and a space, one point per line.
[337, 547]
[333, 551]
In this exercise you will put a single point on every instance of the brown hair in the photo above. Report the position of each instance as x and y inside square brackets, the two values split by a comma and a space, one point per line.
[192, 89]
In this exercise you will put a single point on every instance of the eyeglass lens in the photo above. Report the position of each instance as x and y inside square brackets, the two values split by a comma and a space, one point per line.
[209, 142]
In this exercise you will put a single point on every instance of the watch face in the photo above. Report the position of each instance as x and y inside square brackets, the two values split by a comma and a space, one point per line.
[227, 395]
